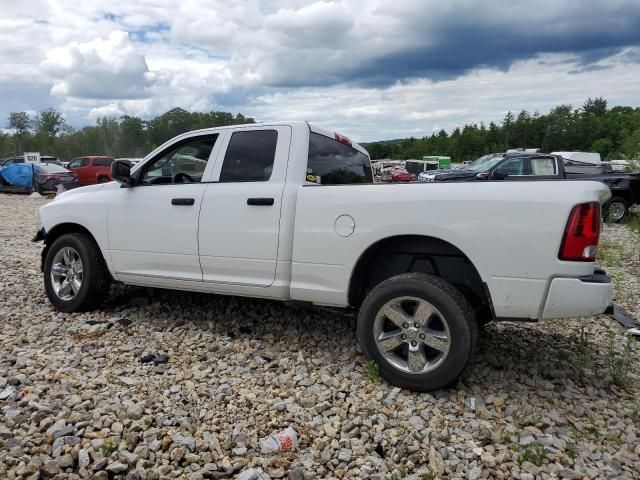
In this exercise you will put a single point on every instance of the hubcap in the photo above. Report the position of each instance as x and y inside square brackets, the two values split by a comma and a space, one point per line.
[66, 273]
[616, 211]
[412, 335]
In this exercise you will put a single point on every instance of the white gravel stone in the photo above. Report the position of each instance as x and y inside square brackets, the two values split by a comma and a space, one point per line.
[77, 401]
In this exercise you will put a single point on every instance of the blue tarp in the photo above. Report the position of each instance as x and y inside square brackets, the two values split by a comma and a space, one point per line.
[18, 174]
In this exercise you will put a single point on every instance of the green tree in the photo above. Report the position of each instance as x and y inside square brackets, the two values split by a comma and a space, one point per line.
[21, 124]
[595, 106]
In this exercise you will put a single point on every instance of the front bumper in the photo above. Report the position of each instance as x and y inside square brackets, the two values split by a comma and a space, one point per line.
[578, 297]
[39, 236]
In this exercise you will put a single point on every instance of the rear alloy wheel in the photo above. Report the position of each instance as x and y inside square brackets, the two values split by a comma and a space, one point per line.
[419, 329]
[412, 335]
[615, 209]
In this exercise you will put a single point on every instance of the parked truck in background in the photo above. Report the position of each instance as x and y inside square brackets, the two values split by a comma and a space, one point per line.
[518, 166]
[91, 169]
[289, 211]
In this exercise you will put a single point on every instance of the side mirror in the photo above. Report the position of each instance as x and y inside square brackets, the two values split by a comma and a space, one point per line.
[121, 173]
[482, 176]
[498, 176]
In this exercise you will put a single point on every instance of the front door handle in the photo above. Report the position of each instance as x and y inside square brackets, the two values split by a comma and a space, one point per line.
[183, 201]
[260, 201]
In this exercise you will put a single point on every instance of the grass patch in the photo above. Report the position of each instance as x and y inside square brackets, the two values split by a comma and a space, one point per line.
[108, 448]
[505, 437]
[373, 371]
[486, 439]
[619, 362]
[609, 253]
[584, 353]
[632, 222]
[571, 452]
[534, 453]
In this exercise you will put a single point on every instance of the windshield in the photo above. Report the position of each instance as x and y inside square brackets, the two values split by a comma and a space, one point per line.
[484, 163]
[51, 168]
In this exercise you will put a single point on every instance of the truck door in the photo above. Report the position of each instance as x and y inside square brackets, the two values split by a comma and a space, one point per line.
[80, 167]
[153, 227]
[239, 220]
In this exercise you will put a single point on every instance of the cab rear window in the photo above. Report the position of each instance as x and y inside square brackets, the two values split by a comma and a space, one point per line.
[102, 162]
[333, 163]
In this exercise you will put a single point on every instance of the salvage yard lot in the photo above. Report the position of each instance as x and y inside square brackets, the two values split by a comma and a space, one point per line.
[162, 384]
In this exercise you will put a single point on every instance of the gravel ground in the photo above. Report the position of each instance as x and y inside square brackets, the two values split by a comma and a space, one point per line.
[162, 384]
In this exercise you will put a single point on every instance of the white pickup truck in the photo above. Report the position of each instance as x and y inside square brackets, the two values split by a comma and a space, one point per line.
[289, 211]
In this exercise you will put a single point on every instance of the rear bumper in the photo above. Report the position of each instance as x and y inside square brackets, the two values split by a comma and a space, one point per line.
[578, 297]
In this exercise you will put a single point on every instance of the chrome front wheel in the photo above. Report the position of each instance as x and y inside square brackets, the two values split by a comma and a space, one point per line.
[66, 273]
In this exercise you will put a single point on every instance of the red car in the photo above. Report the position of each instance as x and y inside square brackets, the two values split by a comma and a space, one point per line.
[402, 176]
[91, 169]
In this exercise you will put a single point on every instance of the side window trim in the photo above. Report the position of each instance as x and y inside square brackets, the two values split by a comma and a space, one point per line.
[140, 173]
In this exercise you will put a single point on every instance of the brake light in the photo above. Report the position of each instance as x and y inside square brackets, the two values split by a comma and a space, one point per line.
[581, 235]
[343, 139]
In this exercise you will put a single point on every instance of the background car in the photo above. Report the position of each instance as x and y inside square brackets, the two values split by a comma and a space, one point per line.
[402, 176]
[49, 177]
[91, 169]
[20, 159]
[132, 161]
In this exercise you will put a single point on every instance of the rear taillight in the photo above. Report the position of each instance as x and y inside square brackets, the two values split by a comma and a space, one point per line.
[343, 139]
[580, 241]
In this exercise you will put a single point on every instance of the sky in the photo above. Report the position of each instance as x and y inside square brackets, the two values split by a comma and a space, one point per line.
[372, 69]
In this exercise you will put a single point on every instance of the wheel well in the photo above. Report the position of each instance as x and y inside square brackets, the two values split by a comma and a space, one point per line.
[414, 253]
[623, 194]
[56, 232]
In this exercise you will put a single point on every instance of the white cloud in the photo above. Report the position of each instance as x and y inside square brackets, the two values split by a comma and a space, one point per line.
[103, 68]
[421, 107]
[352, 64]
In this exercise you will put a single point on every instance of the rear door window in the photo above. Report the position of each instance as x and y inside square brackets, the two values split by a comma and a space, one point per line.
[543, 166]
[250, 156]
[333, 163]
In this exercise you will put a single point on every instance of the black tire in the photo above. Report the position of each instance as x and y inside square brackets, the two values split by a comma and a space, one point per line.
[612, 208]
[103, 180]
[454, 308]
[96, 277]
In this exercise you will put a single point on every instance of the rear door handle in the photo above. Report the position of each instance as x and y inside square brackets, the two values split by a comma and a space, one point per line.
[260, 201]
[183, 201]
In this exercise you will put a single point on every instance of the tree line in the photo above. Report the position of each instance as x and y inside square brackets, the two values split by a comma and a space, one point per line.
[613, 133]
[48, 133]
